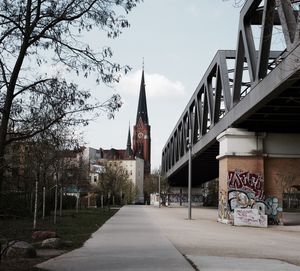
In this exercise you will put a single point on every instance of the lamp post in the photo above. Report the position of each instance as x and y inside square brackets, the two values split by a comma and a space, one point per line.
[190, 176]
[159, 189]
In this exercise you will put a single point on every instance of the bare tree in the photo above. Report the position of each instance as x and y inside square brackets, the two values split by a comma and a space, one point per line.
[34, 33]
[115, 182]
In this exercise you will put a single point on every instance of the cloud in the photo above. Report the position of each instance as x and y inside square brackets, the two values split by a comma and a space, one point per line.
[157, 86]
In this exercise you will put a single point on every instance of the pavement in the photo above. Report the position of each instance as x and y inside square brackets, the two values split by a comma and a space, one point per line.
[151, 238]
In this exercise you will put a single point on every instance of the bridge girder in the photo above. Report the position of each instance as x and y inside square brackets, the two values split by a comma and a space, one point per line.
[223, 99]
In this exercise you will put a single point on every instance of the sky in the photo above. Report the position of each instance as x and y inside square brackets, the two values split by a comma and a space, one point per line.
[177, 39]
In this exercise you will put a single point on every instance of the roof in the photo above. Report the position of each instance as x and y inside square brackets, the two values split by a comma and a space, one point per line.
[142, 111]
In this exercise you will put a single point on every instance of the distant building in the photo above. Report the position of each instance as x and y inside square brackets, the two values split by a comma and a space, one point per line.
[135, 170]
[141, 130]
[136, 160]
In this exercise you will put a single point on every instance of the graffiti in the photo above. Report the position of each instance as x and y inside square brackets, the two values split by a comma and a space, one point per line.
[246, 192]
[249, 217]
[246, 181]
[273, 209]
[223, 212]
[286, 182]
[243, 200]
[183, 198]
[197, 198]
[240, 199]
[177, 198]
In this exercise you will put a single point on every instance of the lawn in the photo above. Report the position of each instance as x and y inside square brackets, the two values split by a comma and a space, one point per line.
[71, 226]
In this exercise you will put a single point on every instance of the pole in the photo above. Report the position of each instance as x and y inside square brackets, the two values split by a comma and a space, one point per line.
[60, 201]
[77, 201]
[190, 176]
[44, 201]
[158, 189]
[35, 205]
[102, 205]
[55, 205]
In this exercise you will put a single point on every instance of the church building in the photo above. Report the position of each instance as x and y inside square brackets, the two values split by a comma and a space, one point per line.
[141, 130]
[140, 150]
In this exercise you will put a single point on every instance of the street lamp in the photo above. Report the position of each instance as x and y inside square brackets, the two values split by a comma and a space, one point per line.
[158, 188]
[189, 145]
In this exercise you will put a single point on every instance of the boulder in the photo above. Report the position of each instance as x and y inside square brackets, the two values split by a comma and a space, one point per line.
[42, 235]
[20, 249]
[52, 243]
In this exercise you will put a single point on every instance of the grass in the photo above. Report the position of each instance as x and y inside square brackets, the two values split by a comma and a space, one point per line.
[71, 226]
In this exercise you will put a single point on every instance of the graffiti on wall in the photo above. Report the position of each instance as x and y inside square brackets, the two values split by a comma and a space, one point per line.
[249, 217]
[273, 210]
[223, 210]
[246, 191]
[244, 200]
[250, 182]
[183, 198]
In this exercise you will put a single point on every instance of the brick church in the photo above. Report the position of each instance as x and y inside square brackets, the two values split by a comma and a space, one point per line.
[141, 140]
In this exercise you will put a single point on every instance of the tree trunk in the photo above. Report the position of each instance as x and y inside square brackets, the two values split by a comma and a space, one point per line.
[7, 110]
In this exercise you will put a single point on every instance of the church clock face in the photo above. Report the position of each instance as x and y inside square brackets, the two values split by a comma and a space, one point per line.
[140, 135]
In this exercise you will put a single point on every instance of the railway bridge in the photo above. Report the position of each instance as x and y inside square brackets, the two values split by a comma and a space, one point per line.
[243, 121]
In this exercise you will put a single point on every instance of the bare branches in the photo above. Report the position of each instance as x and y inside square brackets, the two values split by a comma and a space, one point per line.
[35, 32]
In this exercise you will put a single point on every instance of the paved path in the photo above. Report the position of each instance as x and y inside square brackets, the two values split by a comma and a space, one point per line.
[213, 246]
[151, 238]
[128, 241]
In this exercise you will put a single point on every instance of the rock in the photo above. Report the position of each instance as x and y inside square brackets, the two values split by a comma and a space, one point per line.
[42, 235]
[20, 249]
[52, 243]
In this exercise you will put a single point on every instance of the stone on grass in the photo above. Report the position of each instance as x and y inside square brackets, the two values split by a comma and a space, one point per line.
[52, 243]
[42, 235]
[20, 249]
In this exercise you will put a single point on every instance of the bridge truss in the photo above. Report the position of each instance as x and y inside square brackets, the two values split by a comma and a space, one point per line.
[260, 93]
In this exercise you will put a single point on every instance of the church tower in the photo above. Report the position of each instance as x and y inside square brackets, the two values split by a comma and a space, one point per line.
[141, 129]
[128, 152]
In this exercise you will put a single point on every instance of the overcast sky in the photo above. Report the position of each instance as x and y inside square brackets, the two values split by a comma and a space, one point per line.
[178, 39]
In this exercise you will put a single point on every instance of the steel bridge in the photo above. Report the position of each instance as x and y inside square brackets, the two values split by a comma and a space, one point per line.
[260, 92]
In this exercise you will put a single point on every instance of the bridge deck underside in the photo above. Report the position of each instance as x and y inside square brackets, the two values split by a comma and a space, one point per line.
[279, 114]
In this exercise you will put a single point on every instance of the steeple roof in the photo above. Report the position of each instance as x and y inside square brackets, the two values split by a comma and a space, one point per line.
[129, 138]
[142, 105]
[128, 149]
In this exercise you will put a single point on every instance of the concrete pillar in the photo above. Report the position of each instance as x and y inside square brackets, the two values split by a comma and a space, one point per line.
[241, 172]
[254, 172]
[282, 171]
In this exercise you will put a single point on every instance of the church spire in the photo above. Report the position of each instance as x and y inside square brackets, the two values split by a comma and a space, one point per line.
[142, 106]
[129, 138]
[128, 149]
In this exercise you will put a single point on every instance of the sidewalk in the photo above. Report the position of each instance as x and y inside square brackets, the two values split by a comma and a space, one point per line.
[128, 241]
[213, 246]
[151, 238]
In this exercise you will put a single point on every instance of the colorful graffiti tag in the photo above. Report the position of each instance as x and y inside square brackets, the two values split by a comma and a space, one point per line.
[246, 191]
[250, 182]
[244, 200]
[183, 198]
[223, 210]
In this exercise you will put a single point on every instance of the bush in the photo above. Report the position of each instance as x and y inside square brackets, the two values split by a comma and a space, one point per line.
[15, 204]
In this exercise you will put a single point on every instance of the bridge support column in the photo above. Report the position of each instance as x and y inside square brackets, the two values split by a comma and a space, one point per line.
[255, 170]
[282, 171]
[241, 172]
